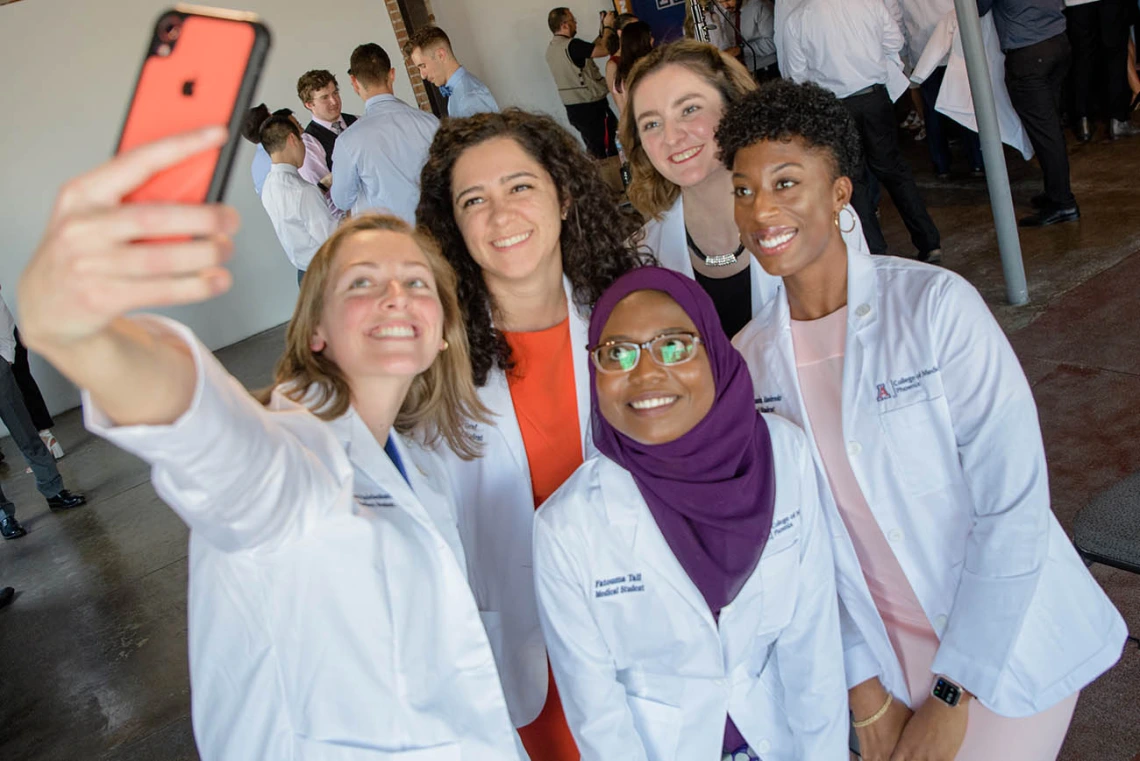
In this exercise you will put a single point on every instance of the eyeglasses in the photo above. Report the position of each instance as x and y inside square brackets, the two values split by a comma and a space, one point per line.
[667, 350]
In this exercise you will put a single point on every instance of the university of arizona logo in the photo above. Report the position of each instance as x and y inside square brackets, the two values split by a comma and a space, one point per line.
[883, 393]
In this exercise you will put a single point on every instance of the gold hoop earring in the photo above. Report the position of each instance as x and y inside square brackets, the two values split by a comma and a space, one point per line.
[854, 221]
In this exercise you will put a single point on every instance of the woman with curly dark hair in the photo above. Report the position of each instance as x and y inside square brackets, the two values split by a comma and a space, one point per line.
[535, 237]
[956, 580]
[675, 97]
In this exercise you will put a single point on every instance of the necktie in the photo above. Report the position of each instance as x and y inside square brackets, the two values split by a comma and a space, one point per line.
[337, 128]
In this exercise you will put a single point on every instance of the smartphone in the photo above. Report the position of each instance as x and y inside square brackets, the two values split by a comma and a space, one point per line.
[201, 68]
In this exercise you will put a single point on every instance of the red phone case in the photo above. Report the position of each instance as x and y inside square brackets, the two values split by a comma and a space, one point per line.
[206, 75]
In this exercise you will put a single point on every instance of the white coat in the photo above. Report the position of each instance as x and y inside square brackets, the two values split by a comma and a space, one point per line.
[495, 505]
[664, 237]
[644, 671]
[954, 96]
[943, 438]
[329, 619]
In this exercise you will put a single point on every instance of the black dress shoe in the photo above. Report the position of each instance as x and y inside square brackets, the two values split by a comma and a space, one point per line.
[65, 500]
[7, 594]
[10, 528]
[1050, 216]
[1084, 129]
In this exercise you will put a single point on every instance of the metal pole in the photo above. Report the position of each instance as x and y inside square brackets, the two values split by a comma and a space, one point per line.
[997, 178]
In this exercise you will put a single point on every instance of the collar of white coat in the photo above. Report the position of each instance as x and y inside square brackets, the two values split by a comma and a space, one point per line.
[496, 393]
[360, 445]
[862, 286]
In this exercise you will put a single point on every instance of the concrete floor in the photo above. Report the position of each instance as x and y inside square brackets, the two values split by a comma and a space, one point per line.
[93, 650]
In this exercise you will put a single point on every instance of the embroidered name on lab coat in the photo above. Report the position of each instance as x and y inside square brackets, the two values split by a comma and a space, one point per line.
[896, 386]
[379, 499]
[765, 403]
[618, 585]
[786, 523]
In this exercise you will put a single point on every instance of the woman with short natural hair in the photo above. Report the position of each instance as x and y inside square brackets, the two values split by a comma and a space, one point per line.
[971, 622]
[329, 612]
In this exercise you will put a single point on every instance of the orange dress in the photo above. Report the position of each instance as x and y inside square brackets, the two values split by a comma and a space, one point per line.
[546, 404]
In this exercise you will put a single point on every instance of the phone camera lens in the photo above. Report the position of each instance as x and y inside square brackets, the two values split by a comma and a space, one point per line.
[169, 29]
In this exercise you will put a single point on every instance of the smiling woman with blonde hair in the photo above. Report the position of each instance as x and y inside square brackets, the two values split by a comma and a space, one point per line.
[329, 611]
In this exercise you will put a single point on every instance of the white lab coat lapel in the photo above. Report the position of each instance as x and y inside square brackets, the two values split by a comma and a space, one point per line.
[645, 540]
[496, 393]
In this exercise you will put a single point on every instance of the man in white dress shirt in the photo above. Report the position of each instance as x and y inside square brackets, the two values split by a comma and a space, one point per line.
[852, 48]
[377, 160]
[429, 50]
[745, 29]
[297, 208]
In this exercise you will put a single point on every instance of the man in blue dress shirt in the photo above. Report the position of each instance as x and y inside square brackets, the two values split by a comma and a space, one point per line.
[429, 50]
[377, 160]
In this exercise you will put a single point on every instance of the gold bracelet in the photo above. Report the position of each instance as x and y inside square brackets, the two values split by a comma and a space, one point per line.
[878, 714]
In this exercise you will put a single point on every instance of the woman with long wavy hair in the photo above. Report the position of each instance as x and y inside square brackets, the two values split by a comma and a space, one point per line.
[535, 237]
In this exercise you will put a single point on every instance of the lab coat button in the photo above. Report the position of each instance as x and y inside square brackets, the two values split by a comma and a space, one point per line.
[940, 623]
[763, 747]
[895, 535]
[863, 310]
[854, 448]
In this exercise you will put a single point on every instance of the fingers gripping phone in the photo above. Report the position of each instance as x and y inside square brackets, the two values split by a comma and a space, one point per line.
[200, 69]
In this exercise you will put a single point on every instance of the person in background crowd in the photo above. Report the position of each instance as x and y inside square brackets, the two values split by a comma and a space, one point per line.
[745, 29]
[320, 94]
[621, 21]
[1098, 34]
[251, 131]
[22, 428]
[970, 622]
[852, 47]
[535, 236]
[581, 87]
[738, 600]
[429, 50]
[1037, 56]
[636, 42]
[14, 352]
[309, 636]
[296, 208]
[313, 170]
[378, 159]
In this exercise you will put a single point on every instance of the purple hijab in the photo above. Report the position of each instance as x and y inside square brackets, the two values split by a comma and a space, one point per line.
[712, 491]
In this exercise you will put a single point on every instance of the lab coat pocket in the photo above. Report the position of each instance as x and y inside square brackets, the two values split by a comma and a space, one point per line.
[921, 442]
[312, 750]
[658, 725]
[779, 575]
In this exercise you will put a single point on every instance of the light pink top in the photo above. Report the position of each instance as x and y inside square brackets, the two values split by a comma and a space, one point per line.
[819, 347]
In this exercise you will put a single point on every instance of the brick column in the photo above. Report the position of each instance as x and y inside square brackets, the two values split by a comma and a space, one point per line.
[401, 38]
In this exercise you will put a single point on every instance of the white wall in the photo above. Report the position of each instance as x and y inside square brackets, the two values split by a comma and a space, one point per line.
[68, 70]
[504, 43]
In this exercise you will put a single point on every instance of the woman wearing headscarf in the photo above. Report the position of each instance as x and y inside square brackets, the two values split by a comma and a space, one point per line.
[684, 578]
[955, 580]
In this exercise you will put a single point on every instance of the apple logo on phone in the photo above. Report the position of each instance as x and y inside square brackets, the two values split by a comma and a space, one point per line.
[188, 88]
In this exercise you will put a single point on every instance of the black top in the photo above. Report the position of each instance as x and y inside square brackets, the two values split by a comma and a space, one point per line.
[580, 51]
[326, 137]
[732, 297]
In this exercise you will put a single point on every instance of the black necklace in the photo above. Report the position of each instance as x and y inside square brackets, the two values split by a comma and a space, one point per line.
[724, 260]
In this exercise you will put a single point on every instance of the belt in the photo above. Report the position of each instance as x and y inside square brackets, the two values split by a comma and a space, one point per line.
[865, 91]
